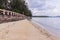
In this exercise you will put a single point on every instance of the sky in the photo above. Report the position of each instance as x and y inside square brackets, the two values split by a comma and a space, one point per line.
[44, 7]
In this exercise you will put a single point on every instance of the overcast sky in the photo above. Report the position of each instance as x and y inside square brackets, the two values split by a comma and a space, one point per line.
[44, 7]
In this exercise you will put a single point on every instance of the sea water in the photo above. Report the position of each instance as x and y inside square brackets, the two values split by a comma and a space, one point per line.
[50, 23]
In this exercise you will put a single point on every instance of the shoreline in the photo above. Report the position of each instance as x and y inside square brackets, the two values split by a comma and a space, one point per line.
[44, 30]
[26, 26]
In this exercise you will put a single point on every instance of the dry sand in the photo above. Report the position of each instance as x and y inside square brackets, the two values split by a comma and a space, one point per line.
[23, 30]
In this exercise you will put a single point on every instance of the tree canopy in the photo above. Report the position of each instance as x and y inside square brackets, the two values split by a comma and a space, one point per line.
[19, 6]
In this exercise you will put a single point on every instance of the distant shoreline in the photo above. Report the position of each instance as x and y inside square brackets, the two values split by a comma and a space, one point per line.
[47, 16]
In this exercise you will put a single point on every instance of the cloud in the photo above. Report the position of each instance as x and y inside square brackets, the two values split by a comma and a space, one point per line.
[36, 12]
[53, 7]
[45, 7]
[36, 6]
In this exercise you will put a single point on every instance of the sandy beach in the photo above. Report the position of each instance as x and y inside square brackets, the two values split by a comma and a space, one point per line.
[24, 30]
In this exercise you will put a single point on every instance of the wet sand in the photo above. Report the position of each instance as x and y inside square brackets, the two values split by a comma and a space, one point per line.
[24, 30]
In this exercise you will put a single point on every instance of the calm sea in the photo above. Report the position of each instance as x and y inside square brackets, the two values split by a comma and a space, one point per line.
[50, 23]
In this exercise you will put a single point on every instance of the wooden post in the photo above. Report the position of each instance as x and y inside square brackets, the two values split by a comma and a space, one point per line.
[9, 13]
[6, 13]
[1, 12]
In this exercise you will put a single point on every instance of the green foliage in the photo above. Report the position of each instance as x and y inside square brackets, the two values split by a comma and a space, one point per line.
[3, 4]
[19, 6]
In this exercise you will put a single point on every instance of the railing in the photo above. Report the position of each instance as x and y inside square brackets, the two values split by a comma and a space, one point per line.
[7, 13]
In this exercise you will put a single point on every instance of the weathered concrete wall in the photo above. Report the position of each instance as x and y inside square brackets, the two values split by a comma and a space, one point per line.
[8, 16]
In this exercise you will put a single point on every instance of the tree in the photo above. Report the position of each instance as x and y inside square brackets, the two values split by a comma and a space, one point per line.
[19, 6]
[3, 4]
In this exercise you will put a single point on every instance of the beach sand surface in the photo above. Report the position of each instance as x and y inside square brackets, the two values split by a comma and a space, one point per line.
[23, 30]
